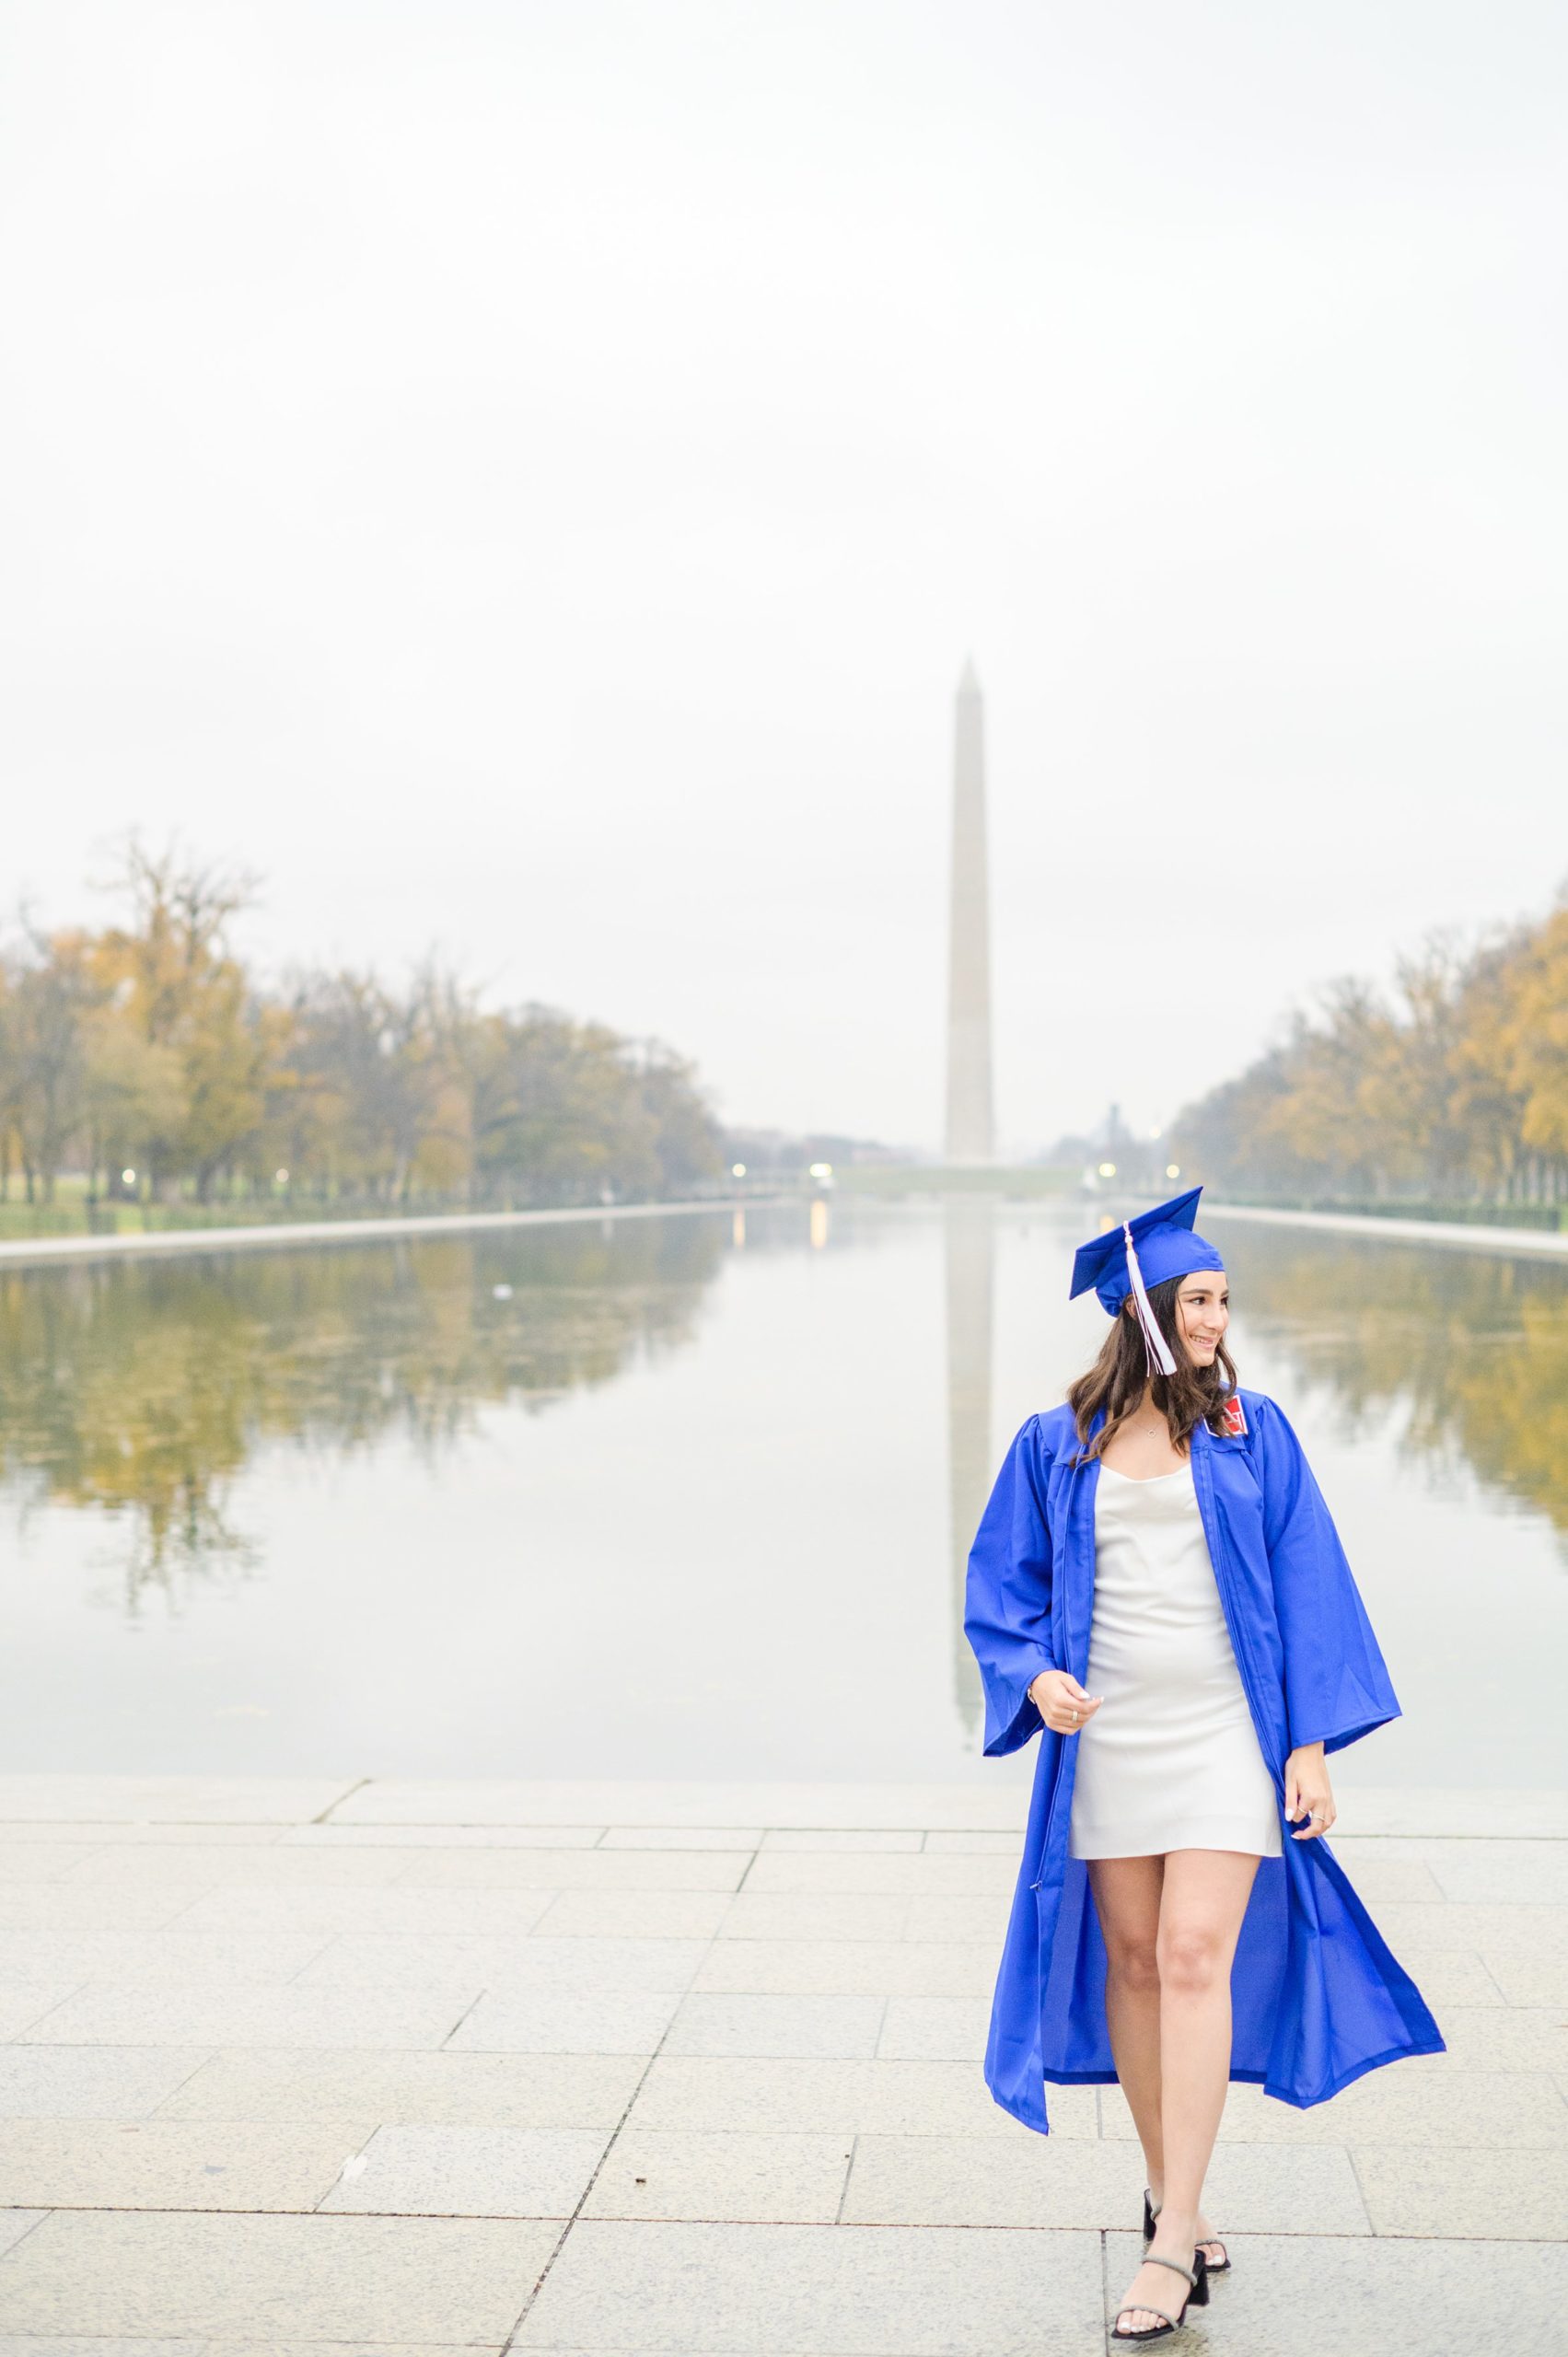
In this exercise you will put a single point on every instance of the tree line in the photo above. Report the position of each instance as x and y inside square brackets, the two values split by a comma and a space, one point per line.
[146, 1058]
[1451, 1086]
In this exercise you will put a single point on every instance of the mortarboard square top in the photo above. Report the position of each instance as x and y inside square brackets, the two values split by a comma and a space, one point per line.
[1167, 1247]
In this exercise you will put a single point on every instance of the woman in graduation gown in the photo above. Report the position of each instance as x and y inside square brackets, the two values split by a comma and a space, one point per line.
[1181, 1921]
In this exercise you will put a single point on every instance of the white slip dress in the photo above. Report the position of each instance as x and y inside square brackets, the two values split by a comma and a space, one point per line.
[1170, 1760]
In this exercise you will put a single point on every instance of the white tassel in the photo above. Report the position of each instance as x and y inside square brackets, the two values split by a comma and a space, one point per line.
[1155, 1345]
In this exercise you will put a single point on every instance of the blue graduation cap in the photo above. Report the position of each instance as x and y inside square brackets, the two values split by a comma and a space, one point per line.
[1148, 1251]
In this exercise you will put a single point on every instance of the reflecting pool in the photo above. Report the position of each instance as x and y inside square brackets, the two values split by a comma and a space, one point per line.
[690, 1496]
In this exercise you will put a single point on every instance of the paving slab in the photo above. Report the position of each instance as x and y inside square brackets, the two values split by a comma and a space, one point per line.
[1371, 2296]
[826, 1967]
[547, 2021]
[1502, 2109]
[776, 2025]
[24, 2344]
[24, 2004]
[443, 1837]
[1000, 1801]
[15, 2225]
[211, 1865]
[826, 1839]
[172, 2164]
[741, 1838]
[1055, 2181]
[451, 2171]
[1442, 1849]
[799, 2097]
[1505, 2037]
[241, 2014]
[334, 1908]
[732, 2176]
[927, 1874]
[267, 2280]
[635, 1914]
[43, 1861]
[1527, 1873]
[821, 1915]
[445, 2089]
[852, 2291]
[949, 2029]
[1448, 1976]
[1486, 1813]
[190, 1800]
[625, 1871]
[1458, 2189]
[1379, 1880]
[956, 1922]
[93, 1832]
[68, 1958]
[394, 1960]
[988, 1845]
[1480, 1925]
[1528, 1979]
[76, 1907]
[850, 1915]
[90, 2082]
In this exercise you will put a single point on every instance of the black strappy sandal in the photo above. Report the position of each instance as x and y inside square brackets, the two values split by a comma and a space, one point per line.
[1197, 2297]
[1214, 2266]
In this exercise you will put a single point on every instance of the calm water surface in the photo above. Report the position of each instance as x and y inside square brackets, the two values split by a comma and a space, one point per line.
[690, 1496]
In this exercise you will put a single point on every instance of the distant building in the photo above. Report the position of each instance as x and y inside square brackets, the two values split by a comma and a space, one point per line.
[970, 1135]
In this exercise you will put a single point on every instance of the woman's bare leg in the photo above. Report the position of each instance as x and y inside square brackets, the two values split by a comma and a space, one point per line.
[1203, 1896]
[1202, 1906]
[1127, 1900]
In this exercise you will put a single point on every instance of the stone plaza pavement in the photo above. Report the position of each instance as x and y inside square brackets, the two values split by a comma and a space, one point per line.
[380, 2066]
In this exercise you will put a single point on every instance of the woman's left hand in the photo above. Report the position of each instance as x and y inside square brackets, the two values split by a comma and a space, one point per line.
[1308, 1789]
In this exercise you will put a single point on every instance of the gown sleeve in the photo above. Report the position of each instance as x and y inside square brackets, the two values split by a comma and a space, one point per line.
[1337, 1684]
[1007, 1596]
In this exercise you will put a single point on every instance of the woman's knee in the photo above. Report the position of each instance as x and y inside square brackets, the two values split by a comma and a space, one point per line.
[1133, 1962]
[1190, 1958]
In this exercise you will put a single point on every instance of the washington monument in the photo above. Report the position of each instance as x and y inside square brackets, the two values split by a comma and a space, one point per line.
[970, 1135]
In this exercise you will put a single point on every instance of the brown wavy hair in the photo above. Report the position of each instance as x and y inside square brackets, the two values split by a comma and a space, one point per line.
[1194, 1395]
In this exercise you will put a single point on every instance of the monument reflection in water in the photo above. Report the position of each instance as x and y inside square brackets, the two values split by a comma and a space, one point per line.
[691, 1496]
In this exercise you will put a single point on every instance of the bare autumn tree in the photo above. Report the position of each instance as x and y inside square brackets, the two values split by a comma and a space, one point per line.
[49, 992]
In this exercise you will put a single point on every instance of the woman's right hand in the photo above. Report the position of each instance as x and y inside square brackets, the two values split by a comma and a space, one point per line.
[1061, 1702]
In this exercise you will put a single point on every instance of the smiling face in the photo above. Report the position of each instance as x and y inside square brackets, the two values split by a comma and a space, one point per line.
[1203, 1313]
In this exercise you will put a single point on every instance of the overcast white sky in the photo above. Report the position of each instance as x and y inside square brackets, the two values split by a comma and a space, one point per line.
[526, 478]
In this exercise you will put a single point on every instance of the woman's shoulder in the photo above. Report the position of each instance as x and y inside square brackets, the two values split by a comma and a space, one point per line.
[1056, 1429]
[1047, 1432]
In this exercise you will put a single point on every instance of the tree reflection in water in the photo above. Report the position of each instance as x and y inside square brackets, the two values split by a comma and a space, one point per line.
[140, 1389]
[1473, 1346]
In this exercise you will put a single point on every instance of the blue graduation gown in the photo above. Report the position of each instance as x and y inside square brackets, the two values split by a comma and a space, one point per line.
[1317, 1999]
